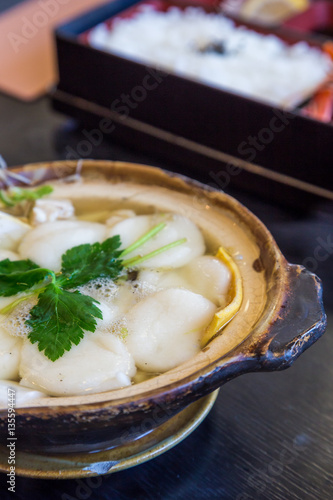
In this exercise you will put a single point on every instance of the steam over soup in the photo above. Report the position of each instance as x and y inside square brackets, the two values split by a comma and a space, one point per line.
[102, 291]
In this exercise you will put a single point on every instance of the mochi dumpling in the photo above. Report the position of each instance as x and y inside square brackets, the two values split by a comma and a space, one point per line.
[45, 244]
[176, 228]
[118, 216]
[159, 279]
[8, 254]
[10, 355]
[164, 329]
[209, 277]
[100, 362]
[22, 395]
[12, 230]
[205, 275]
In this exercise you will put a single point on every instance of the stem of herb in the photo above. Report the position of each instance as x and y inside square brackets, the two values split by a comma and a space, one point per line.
[147, 236]
[15, 195]
[53, 276]
[138, 259]
[36, 291]
[48, 274]
[5, 199]
[16, 302]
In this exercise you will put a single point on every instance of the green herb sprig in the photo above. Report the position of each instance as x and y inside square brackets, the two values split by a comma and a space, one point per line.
[62, 314]
[15, 195]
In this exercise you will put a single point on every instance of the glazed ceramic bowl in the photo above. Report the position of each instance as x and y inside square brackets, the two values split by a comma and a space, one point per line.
[281, 316]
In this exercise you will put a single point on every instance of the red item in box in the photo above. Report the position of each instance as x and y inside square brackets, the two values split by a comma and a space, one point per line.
[318, 18]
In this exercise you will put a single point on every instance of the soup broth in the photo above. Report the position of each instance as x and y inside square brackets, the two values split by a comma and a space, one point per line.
[153, 288]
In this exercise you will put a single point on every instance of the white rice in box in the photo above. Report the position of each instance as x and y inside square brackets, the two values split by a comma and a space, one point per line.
[209, 48]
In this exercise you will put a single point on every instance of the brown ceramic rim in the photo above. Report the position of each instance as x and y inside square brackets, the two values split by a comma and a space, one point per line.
[105, 462]
[261, 350]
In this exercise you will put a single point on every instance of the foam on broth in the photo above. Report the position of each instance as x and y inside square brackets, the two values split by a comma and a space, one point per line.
[218, 226]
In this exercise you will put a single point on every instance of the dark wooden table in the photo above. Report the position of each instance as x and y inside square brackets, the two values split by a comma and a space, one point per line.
[269, 435]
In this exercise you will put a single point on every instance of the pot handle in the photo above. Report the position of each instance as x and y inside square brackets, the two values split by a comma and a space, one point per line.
[304, 317]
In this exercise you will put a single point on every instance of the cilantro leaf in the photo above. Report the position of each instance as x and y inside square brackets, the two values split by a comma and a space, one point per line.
[87, 262]
[14, 195]
[19, 275]
[59, 318]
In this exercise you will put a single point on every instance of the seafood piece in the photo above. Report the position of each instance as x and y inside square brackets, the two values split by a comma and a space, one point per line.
[48, 210]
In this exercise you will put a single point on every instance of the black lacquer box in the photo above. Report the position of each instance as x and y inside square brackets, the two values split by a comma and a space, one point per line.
[218, 136]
